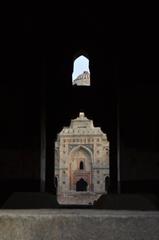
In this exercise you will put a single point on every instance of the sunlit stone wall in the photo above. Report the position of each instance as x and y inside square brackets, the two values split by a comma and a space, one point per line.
[81, 162]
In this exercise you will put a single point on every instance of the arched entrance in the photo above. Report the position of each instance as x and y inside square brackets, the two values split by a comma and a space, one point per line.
[80, 168]
[81, 185]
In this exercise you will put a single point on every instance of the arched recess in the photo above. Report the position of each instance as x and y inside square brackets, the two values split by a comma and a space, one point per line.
[81, 153]
[81, 70]
[81, 166]
[77, 155]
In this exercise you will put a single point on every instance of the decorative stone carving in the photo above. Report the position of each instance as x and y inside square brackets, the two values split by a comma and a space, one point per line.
[86, 162]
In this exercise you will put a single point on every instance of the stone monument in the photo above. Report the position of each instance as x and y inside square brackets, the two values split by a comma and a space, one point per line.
[81, 162]
[83, 79]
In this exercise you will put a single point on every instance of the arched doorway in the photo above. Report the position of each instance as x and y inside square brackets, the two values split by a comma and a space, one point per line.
[81, 185]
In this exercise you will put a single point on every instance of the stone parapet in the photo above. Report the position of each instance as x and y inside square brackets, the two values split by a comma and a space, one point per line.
[77, 224]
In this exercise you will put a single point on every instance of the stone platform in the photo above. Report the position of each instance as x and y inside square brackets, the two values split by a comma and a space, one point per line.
[78, 198]
[77, 224]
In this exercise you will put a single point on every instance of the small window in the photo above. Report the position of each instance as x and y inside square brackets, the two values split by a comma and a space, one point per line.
[81, 73]
[81, 165]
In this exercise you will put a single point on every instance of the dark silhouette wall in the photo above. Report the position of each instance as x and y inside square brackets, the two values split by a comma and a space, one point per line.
[37, 66]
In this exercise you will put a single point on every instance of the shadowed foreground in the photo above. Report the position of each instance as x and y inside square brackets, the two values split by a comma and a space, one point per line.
[78, 224]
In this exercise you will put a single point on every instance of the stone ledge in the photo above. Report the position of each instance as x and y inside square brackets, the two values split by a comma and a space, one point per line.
[65, 224]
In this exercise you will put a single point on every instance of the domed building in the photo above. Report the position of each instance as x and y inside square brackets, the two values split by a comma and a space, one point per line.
[81, 162]
[83, 79]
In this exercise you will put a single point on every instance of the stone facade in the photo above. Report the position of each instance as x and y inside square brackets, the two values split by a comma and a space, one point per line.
[81, 162]
[83, 79]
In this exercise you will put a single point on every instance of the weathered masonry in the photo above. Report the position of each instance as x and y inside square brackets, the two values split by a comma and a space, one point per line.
[81, 162]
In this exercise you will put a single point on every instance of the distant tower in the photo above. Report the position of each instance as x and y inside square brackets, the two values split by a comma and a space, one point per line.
[83, 79]
[81, 162]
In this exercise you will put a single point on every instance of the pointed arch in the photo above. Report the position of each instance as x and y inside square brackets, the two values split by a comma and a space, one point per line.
[82, 147]
[78, 154]
[81, 71]
[79, 53]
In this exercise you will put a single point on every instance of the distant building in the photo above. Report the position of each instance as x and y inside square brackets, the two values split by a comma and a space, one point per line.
[83, 79]
[81, 162]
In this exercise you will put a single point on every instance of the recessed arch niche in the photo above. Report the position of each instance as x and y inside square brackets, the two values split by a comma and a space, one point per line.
[80, 154]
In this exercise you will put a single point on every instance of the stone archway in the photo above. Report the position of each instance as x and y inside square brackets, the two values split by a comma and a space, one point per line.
[80, 167]
[81, 185]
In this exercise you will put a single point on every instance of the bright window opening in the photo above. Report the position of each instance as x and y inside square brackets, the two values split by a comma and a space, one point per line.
[81, 72]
